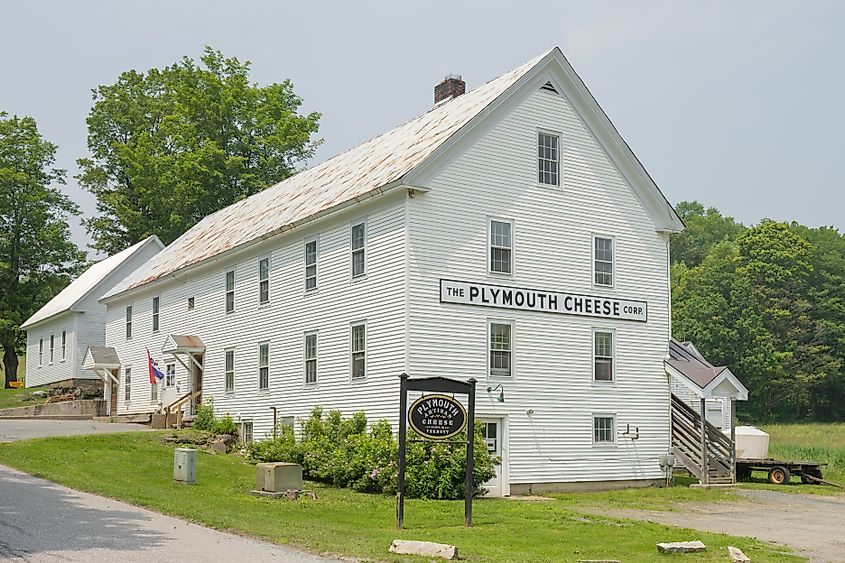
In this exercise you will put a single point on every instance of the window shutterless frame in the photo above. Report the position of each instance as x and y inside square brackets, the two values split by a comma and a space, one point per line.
[264, 280]
[358, 350]
[64, 345]
[169, 375]
[603, 345]
[500, 243]
[500, 349]
[229, 371]
[156, 304]
[230, 291]
[358, 245]
[128, 322]
[312, 255]
[548, 158]
[263, 366]
[309, 345]
[127, 384]
[52, 347]
[604, 429]
[40, 352]
[603, 267]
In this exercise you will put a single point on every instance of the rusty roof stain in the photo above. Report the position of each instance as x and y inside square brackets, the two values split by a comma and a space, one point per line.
[347, 178]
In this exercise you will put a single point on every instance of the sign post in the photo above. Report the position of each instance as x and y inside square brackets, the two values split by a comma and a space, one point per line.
[436, 418]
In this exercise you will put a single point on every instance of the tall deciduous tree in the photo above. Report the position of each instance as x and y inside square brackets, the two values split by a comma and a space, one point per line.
[172, 145]
[36, 255]
[704, 229]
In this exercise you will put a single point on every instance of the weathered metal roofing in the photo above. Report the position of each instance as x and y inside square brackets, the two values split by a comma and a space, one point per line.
[685, 358]
[89, 280]
[349, 177]
[181, 343]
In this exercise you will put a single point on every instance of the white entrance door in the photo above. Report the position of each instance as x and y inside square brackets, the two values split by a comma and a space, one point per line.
[493, 433]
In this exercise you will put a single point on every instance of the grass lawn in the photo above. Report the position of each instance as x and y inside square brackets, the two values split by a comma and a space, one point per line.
[137, 468]
[10, 398]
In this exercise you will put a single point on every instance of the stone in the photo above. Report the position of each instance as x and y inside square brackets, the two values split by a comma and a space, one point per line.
[681, 547]
[39, 394]
[222, 443]
[737, 556]
[425, 548]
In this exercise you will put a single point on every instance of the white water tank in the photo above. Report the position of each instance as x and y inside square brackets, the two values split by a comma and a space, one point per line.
[751, 443]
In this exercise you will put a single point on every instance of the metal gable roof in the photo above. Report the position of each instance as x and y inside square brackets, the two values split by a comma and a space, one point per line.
[88, 281]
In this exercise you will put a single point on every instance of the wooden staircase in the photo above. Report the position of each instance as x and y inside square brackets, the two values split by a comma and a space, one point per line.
[173, 416]
[703, 449]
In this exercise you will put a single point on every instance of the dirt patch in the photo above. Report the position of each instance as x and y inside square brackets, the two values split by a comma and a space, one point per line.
[813, 526]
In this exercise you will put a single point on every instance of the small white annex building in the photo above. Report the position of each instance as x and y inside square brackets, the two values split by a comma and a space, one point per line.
[508, 234]
[60, 332]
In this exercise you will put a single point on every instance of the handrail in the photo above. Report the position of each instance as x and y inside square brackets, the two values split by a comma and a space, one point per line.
[176, 407]
[686, 442]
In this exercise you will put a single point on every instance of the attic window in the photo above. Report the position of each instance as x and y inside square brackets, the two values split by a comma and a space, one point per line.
[190, 303]
[548, 87]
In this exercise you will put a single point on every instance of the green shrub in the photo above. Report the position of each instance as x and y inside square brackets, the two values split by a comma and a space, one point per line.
[343, 453]
[206, 421]
[226, 425]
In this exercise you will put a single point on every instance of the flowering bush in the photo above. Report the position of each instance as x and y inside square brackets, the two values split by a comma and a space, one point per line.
[342, 452]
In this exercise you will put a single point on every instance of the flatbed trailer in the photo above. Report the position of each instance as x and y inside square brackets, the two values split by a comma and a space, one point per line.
[780, 471]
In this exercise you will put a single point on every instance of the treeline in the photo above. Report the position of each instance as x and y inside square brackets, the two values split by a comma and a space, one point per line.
[768, 301]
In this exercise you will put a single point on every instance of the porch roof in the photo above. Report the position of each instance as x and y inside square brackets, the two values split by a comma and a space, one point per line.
[100, 357]
[183, 344]
[688, 366]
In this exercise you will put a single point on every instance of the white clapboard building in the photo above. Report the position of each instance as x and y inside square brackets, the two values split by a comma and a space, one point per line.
[60, 332]
[508, 234]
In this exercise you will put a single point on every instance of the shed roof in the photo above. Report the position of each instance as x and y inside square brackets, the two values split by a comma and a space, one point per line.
[182, 343]
[687, 362]
[101, 357]
[365, 171]
[88, 281]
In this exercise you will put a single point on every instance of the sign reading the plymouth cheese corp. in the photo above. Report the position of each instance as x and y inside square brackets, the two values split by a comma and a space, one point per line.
[437, 417]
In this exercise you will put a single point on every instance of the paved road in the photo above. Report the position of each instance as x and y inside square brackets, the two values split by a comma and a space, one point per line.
[44, 522]
[12, 430]
[812, 525]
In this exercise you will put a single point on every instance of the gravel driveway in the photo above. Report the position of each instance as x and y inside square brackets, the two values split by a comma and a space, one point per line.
[12, 430]
[812, 525]
[44, 522]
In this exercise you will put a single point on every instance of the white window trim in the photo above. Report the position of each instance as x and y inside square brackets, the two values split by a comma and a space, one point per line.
[351, 351]
[226, 291]
[129, 323]
[512, 223]
[559, 136]
[175, 375]
[614, 431]
[512, 323]
[612, 239]
[64, 346]
[241, 424]
[306, 242]
[305, 381]
[269, 259]
[260, 344]
[365, 249]
[41, 352]
[602, 383]
[126, 400]
[225, 371]
[155, 321]
[52, 347]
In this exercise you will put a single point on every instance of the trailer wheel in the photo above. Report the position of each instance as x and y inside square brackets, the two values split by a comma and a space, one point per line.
[779, 475]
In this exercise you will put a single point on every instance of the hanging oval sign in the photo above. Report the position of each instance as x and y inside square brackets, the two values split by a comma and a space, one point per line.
[437, 417]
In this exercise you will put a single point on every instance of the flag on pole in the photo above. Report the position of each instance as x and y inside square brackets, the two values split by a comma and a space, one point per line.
[155, 373]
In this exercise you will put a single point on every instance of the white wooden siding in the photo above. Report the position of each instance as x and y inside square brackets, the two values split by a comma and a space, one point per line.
[59, 369]
[377, 297]
[553, 230]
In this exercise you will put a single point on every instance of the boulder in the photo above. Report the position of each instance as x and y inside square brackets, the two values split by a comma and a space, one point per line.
[425, 548]
[737, 556]
[39, 394]
[222, 443]
[681, 547]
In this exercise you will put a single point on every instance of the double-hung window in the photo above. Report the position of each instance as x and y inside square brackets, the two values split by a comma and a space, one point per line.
[230, 291]
[264, 280]
[169, 375]
[359, 263]
[548, 158]
[156, 302]
[64, 345]
[127, 384]
[230, 371]
[311, 358]
[264, 365]
[359, 351]
[501, 349]
[603, 355]
[129, 322]
[52, 347]
[501, 246]
[603, 261]
[603, 430]
[246, 431]
[311, 265]
[40, 352]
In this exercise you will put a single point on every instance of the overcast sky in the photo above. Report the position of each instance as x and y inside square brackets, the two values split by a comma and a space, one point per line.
[738, 104]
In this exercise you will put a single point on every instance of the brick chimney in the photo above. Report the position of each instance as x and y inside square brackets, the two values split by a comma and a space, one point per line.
[451, 87]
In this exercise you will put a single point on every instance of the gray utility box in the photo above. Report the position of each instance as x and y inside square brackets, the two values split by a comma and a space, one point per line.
[278, 477]
[185, 465]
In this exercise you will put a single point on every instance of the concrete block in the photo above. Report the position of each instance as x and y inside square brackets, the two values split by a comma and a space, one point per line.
[425, 548]
[737, 556]
[681, 547]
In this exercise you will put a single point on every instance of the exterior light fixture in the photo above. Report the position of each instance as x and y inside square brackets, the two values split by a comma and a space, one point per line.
[501, 397]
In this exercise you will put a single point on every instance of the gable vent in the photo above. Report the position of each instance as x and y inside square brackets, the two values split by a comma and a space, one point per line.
[548, 87]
